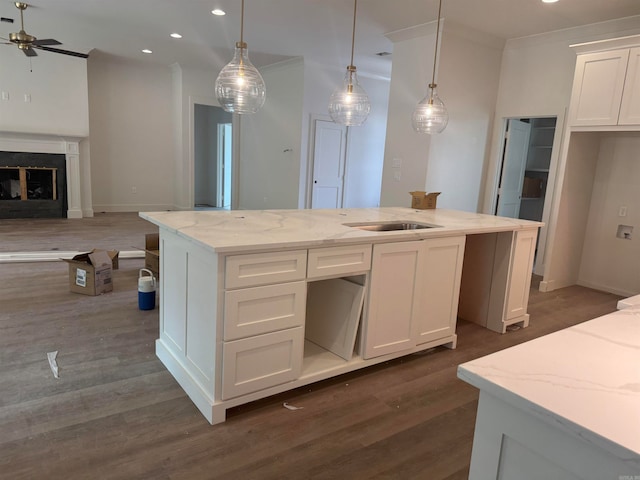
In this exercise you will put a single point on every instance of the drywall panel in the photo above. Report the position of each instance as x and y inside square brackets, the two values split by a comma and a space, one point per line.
[610, 263]
[131, 135]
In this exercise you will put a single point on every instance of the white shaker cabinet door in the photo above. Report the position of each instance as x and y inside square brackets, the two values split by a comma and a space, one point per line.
[630, 108]
[442, 270]
[260, 362]
[522, 254]
[396, 278]
[597, 88]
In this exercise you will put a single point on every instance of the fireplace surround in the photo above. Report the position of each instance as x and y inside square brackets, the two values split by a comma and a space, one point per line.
[52, 144]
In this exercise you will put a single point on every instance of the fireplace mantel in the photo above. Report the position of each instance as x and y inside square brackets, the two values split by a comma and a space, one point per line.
[68, 145]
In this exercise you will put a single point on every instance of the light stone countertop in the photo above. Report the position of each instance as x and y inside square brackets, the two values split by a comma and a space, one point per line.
[250, 230]
[584, 379]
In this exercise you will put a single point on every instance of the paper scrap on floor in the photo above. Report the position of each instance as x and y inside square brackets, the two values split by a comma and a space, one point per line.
[51, 356]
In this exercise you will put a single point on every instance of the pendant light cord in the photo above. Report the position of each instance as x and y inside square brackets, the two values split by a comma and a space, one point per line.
[435, 54]
[242, 22]
[353, 34]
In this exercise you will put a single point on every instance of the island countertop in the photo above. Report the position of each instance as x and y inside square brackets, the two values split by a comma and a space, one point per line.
[246, 230]
[584, 379]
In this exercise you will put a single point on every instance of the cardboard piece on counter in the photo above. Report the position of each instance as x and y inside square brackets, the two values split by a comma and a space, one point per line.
[91, 273]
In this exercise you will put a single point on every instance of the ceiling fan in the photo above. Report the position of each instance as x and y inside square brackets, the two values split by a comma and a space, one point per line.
[27, 43]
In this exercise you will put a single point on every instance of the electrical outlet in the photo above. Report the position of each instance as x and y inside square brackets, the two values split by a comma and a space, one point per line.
[622, 212]
[397, 175]
[5, 96]
[134, 190]
[27, 98]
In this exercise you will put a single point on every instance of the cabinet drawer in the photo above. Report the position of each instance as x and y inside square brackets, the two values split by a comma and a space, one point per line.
[260, 362]
[257, 310]
[265, 268]
[332, 261]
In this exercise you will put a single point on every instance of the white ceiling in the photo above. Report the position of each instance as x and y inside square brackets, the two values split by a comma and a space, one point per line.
[319, 30]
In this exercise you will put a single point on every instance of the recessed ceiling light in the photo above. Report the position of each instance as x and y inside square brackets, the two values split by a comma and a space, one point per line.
[217, 11]
[549, 1]
[146, 50]
[176, 35]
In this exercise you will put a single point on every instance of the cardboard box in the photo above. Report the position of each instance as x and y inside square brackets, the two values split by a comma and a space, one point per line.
[532, 187]
[423, 201]
[90, 273]
[152, 253]
[113, 254]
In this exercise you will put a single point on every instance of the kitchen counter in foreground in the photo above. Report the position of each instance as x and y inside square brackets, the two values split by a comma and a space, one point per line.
[566, 405]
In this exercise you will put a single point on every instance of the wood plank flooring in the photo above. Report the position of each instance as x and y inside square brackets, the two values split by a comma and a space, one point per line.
[116, 413]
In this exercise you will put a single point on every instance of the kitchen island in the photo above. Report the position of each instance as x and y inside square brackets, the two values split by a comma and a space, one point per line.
[254, 303]
[562, 406]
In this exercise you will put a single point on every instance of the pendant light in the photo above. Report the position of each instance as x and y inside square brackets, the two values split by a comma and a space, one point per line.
[239, 86]
[430, 115]
[349, 103]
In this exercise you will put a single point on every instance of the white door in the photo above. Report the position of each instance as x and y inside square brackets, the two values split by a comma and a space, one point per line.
[329, 150]
[513, 165]
[224, 165]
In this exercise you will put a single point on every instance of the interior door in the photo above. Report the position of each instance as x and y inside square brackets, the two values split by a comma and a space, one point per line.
[329, 150]
[513, 165]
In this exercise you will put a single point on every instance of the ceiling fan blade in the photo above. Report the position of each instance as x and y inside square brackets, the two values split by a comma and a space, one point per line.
[46, 41]
[29, 52]
[64, 52]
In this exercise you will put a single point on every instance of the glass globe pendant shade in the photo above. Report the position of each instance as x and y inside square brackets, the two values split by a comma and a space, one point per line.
[430, 115]
[349, 103]
[239, 86]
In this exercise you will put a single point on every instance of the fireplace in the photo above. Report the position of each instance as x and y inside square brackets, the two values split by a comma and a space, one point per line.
[33, 185]
[40, 176]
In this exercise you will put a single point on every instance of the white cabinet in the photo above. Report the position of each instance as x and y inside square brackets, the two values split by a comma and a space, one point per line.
[263, 326]
[606, 88]
[630, 107]
[413, 294]
[394, 289]
[497, 275]
[442, 268]
[253, 311]
[262, 361]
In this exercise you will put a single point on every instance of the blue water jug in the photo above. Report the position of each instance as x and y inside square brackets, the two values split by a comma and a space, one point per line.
[146, 290]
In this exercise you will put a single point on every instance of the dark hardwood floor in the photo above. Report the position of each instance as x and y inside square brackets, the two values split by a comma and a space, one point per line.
[116, 413]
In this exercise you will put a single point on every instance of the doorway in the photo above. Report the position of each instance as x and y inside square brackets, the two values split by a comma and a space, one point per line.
[329, 159]
[526, 162]
[212, 150]
[529, 154]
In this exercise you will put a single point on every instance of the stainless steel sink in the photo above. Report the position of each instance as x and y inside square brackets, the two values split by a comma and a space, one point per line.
[390, 226]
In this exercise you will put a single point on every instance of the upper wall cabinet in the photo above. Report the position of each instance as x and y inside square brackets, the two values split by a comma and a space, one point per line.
[606, 88]
[630, 107]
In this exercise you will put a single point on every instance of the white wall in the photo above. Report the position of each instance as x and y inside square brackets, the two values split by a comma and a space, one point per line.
[131, 135]
[270, 149]
[365, 144]
[57, 85]
[467, 77]
[610, 263]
